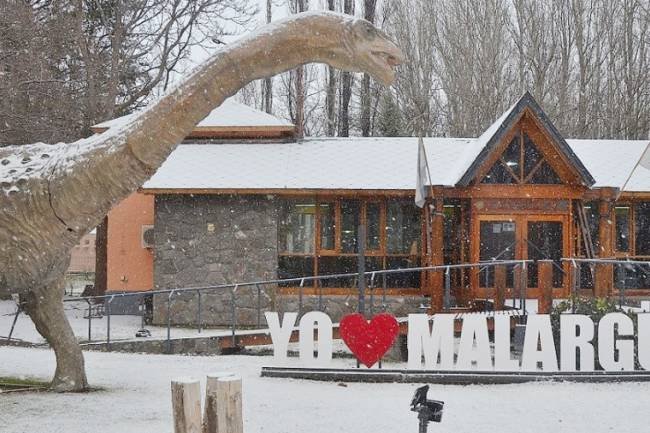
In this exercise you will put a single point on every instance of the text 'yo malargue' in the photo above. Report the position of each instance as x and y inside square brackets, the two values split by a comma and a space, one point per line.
[432, 344]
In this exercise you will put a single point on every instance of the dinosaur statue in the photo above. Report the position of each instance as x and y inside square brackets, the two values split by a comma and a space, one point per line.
[52, 195]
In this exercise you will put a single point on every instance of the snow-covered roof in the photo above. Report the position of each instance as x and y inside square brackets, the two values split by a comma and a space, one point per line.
[229, 114]
[366, 163]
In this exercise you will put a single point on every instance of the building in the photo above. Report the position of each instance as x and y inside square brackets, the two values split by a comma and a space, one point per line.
[233, 207]
[81, 272]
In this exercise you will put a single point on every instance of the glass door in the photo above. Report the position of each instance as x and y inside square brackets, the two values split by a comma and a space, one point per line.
[545, 241]
[497, 241]
[521, 237]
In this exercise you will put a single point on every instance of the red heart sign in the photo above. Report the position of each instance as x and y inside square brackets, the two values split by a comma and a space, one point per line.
[369, 341]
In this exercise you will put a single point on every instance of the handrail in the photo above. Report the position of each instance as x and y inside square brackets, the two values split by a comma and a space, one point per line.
[302, 280]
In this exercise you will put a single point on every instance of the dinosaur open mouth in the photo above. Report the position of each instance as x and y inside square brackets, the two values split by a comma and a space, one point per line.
[387, 58]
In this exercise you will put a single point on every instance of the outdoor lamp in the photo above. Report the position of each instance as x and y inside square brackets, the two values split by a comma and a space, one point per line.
[428, 410]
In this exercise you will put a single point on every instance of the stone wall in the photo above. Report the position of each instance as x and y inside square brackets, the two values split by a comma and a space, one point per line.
[205, 240]
[216, 308]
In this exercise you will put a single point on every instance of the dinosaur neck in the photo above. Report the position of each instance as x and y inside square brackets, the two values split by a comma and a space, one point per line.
[112, 168]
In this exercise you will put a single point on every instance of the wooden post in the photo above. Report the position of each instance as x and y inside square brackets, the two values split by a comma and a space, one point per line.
[545, 283]
[499, 287]
[604, 275]
[186, 405]
[436, 283]
[212, 402]
[229, 407]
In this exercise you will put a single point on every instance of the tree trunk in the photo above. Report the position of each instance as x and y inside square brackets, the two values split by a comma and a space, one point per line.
[101, 258]
[369, 7]
[330, 97]
[346, 87]
[44, 306]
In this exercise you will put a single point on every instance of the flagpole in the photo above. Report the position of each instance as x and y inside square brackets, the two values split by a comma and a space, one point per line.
[638, 163]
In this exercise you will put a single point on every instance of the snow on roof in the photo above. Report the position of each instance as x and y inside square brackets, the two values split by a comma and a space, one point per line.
[364, 163]
[229, 114]
[315, 163]
[611, 162]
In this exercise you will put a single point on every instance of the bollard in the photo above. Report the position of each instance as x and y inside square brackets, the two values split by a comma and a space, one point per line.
[186, 405]
[229, 407]
[210, 423]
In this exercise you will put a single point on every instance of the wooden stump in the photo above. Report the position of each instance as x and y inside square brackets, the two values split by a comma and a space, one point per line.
[186, 405]
[229, 406]
[210, 424]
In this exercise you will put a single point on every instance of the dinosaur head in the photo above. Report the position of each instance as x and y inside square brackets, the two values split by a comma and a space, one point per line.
[373, 52]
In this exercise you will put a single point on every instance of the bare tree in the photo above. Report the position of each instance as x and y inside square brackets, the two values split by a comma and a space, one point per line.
[345, 90]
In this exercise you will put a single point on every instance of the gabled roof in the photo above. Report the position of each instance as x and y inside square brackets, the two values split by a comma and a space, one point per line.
[230, 114]
[492, 136]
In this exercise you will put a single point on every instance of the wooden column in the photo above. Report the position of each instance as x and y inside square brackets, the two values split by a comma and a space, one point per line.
[437, 278]
[604, 275]
[545, 283]
[499, 287]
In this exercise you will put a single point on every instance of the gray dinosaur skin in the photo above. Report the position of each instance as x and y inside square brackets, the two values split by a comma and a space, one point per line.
[51, 195]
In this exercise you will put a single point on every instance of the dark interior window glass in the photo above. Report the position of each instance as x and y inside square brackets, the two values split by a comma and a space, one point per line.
[498, 174]
[403, 280]
[402, 228]
[642, 228]
[631, 277]
[338, 265]
[497, 242]
[545, 175]
[372, 226]
[512, 155]
[622, 228]
[349, 225]
[296, 267]
[531, 155]
[327, 226]
[545, 243]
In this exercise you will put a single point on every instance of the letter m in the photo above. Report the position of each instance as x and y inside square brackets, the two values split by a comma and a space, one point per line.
[439, 341]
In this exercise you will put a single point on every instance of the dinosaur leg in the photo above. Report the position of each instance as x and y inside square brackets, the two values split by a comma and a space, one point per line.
[45, 307]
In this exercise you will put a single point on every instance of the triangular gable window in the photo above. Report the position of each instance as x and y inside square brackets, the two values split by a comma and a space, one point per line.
[520, 163]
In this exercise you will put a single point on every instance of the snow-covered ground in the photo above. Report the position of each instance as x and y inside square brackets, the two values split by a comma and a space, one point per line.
[122, 327]
[136, 398]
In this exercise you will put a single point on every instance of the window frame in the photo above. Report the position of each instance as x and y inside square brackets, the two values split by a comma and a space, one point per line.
[380, 253]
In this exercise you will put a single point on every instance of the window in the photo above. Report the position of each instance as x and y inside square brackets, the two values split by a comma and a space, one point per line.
[393, 234]
[520, 163]
[642, 228]
[403, 228]
[622, 215]
[327, 214]
[296, 228]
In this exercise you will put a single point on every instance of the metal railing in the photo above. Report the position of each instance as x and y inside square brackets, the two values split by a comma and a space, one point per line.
[576, 272]
[261, 288]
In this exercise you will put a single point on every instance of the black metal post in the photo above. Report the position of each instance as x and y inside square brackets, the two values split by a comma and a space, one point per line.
[259, 305]
[361, 249]
[233, 312]
[90, 315]
[447, 294]
[198, 313]
[169, 322]
[108, 323]
[13, 324]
